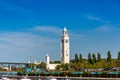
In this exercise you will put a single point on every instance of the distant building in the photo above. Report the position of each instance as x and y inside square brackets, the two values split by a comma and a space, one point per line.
[65, 51]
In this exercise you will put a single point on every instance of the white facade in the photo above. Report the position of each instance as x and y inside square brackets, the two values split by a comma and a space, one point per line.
[65, 47]
[48, 65]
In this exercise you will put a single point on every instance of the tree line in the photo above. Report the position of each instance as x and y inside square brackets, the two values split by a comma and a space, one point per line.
[92, 61]
[96, 61]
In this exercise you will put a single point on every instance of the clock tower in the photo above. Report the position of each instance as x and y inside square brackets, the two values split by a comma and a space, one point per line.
[65, 47]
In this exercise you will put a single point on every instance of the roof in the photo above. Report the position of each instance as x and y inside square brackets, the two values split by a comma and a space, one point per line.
[65, 29]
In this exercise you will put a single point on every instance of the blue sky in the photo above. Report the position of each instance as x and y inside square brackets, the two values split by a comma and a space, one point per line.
[34, 28]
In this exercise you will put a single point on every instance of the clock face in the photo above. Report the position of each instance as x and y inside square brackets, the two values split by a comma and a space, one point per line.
[66, 41]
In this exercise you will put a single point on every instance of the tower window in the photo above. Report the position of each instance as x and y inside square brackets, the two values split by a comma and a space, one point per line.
[66, 54]
[66, 41]
[64, 32]
[62, 41]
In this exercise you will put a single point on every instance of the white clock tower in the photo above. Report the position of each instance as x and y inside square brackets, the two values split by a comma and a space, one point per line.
[65, 47]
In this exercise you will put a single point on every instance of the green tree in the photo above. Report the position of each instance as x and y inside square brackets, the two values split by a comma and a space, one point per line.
[98, 57]
[56, 62]
[58, 67]
[109, 56]
[76, 58]
[89, 58]
[94, 59]
[118, 55]
[80, 58]
[118, 63]
[42, 65]
[64, 66]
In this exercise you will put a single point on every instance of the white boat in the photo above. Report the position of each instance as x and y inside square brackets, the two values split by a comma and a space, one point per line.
[5, 78]
[25, 78]
[52, 78]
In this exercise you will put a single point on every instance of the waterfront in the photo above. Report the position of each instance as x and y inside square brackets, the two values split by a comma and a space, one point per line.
[58, 78]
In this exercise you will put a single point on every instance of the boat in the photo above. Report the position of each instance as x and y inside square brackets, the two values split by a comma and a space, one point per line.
[51, 78]
[25, 78]
[4, 78]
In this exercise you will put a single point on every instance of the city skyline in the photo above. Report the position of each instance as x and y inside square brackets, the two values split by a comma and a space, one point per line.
[34, 28]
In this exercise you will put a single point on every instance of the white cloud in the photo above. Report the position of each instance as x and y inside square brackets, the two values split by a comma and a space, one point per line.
[93, 18]
[24, 44]
[77, 36]
[52, 29]
[105, 28]
[90, 17]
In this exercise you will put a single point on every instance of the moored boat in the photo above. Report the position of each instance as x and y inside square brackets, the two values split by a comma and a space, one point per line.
[4, 78]
[25, 78]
